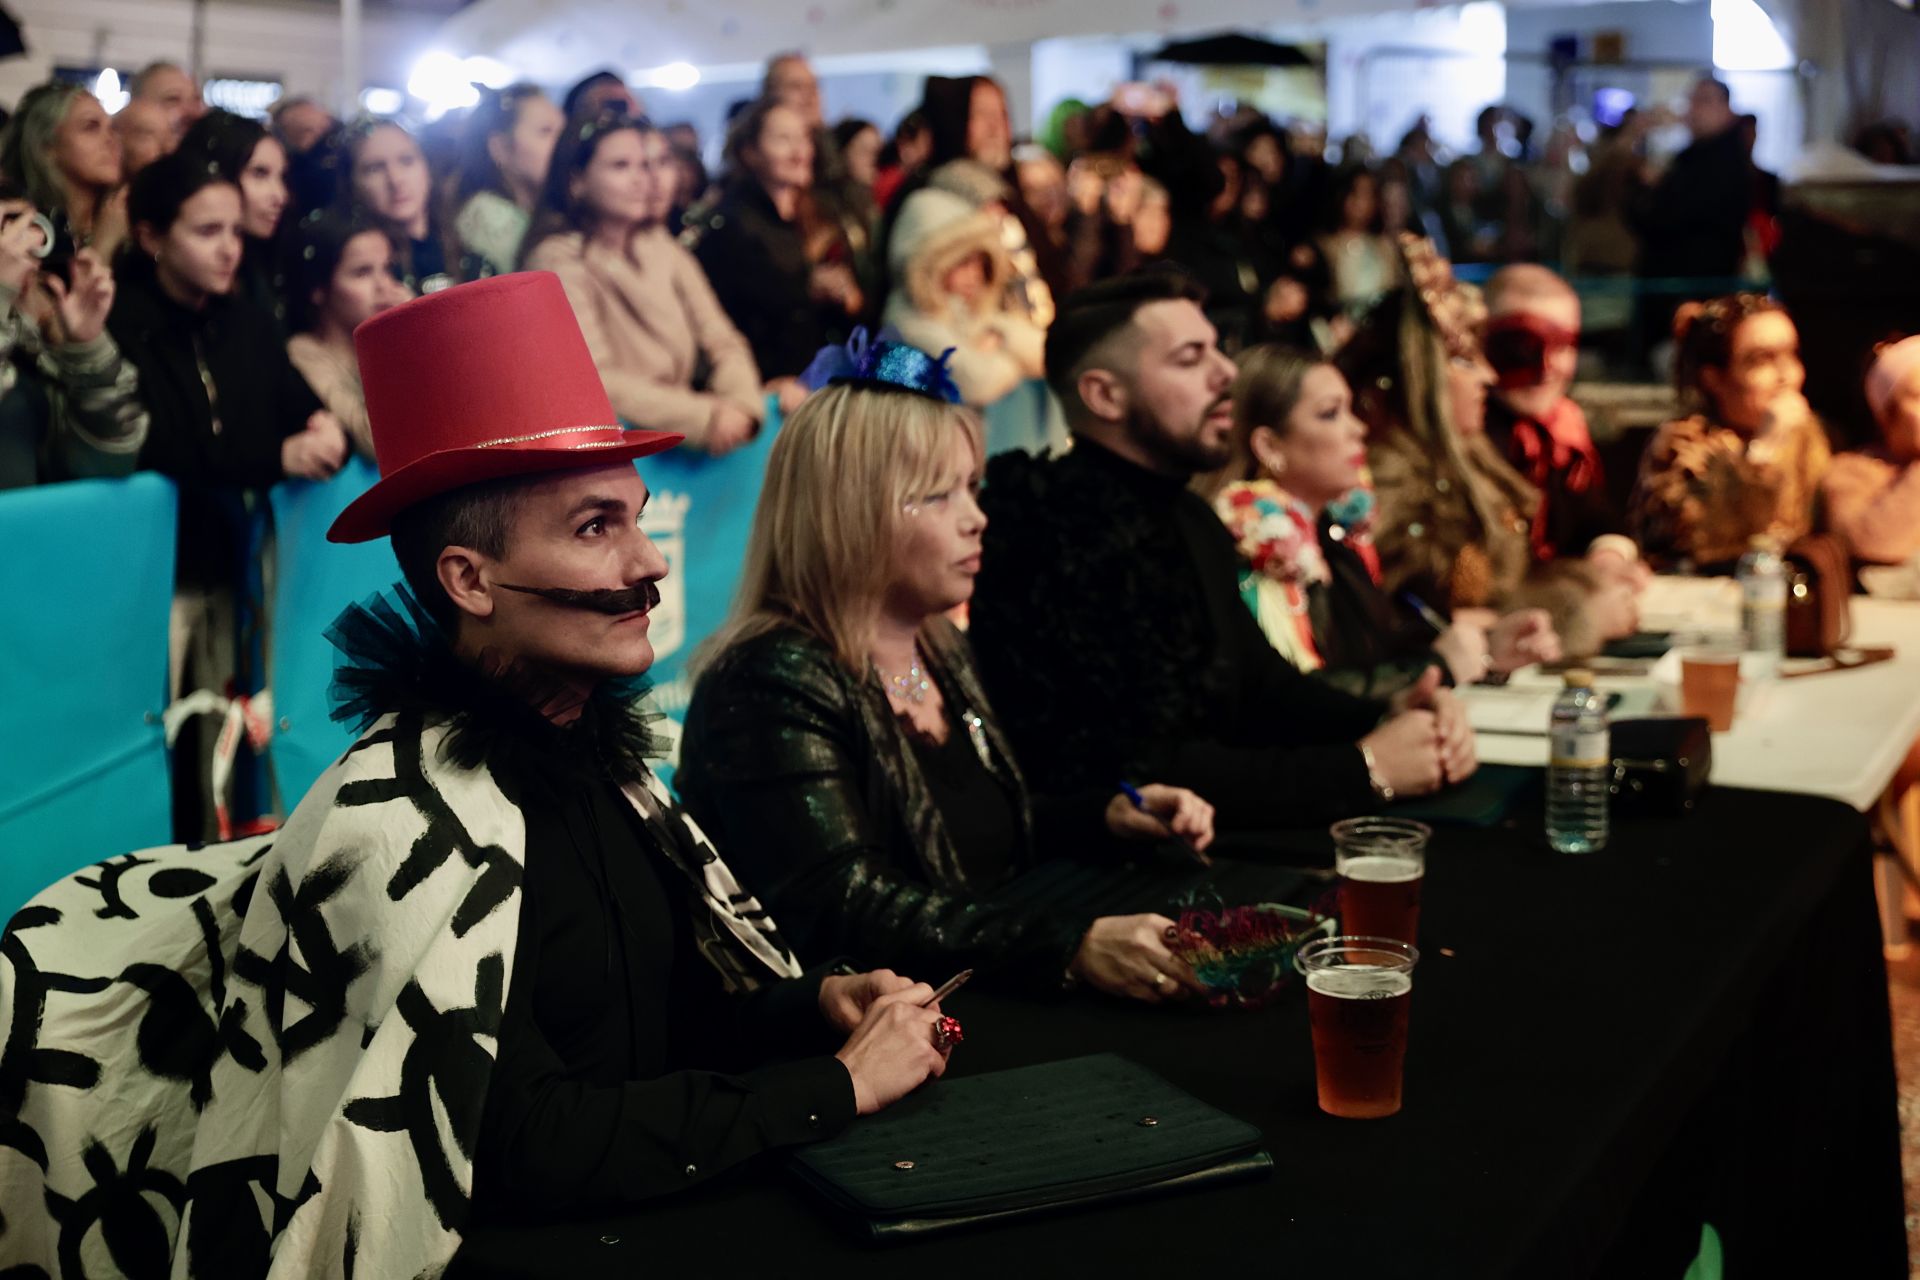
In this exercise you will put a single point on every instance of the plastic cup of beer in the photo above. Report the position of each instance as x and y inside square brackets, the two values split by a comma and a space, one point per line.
[1358, 994]
[1710, 684]
[1381, 863]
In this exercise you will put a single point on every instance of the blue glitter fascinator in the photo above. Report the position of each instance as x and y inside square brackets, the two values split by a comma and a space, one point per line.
[882, 364]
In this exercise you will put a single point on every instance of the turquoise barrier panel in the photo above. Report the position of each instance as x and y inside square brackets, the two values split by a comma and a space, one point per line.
[313, 581]
[88, 584]
[699, 515]
[1024, 418]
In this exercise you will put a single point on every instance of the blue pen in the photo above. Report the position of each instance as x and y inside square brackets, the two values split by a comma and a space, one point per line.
[1426, 611]
[1132, 793]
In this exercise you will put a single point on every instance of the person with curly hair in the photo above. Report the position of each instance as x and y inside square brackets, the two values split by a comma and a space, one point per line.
[1749, 456]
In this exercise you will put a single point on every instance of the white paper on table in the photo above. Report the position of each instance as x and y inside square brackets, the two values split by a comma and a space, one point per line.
[1529, 709]
[1674, 603]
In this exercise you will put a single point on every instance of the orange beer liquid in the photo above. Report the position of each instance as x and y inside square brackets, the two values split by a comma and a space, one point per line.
[1359, 1018]
[1380, 897]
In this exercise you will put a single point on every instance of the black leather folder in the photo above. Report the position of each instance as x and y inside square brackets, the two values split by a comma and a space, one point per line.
[969, 1152]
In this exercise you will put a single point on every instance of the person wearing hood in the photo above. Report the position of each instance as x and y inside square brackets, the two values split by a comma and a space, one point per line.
[953, 284]
[967, 120]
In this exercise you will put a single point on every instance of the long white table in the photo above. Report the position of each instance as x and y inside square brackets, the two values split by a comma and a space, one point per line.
[1839, 734]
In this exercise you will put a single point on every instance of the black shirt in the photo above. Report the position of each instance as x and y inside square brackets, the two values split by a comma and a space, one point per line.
[974, 805]
[608, 1087]
[1109, 627]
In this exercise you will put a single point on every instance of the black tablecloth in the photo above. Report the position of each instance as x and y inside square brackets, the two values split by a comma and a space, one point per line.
[1605, 1051]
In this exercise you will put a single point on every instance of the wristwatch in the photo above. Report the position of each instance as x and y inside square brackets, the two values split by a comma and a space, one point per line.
[1374, 780]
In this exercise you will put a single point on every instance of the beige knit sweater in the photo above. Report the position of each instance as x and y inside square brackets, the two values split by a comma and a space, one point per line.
[651, 320]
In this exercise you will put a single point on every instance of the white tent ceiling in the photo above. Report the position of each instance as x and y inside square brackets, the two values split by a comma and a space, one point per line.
[554, 40]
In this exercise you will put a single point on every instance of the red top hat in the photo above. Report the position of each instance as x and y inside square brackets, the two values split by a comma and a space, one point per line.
[480, 382]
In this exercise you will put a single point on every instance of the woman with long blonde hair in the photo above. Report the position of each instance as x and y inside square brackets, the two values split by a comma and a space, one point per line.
[839, 743]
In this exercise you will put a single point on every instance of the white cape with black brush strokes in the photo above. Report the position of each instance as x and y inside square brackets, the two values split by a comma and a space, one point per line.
[269, 1057]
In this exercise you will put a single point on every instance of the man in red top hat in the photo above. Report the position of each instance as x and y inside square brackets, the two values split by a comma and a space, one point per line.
[488, 962]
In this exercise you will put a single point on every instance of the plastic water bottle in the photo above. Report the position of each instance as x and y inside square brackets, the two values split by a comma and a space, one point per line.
[1763, 606]
[1580, 768]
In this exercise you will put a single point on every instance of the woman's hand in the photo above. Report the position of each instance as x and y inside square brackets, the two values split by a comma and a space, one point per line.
[1464, 648]
[835, 282]
[1406, 753]
[728, 427]
[1458, 752]
[1521, 638]
[316, 452]
[1170, 813]
[18, 238]
[891, 1053]
[788, 393]
[80, 309]
[845, 998]
[1128, 956]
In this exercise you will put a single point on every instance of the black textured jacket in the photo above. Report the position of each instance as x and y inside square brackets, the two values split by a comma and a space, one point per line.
[220, 396]
[1109, 628]
[799, 770]
[757, 263]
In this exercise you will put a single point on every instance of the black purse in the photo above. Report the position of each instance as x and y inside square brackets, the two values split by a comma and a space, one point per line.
[1660, 765]
[1009, 1144]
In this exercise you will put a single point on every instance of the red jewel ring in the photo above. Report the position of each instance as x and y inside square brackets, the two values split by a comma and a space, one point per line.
[947, 1033]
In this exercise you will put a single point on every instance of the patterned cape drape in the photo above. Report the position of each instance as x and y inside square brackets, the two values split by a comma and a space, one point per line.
[269, 1056]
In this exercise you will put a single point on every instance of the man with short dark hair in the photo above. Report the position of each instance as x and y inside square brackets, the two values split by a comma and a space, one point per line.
[601, 91]
[1107, 615]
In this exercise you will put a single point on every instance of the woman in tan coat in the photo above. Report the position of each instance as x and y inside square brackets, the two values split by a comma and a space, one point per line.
[670, 357]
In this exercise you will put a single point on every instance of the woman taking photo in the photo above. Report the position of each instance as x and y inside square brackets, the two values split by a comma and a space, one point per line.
[838, 736]
[753, 245]
[1749, 456]
[504, 154]
[228, 418]
[388, 184]
[245, 154]
[670, 357]
[60, 146]
[339, 275]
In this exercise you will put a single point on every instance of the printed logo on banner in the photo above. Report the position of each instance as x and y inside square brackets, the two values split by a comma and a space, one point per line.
[665, 522]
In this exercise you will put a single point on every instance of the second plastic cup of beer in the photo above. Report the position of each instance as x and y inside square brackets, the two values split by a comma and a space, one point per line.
[1358, 994]
[1381, 863]
[1710, 684]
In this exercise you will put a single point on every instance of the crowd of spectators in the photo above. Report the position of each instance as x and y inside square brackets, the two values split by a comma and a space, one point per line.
[181, 287]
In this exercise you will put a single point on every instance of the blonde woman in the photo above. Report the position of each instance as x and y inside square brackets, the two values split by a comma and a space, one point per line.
[839, 740]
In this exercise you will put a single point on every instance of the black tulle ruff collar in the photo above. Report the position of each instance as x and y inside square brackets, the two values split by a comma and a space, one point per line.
[394, 658]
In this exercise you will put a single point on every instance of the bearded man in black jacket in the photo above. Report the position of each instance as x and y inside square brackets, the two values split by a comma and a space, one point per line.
[1107, 617]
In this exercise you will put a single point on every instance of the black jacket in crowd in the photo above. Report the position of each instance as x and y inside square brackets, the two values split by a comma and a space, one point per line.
[1110, 631]
[1694, 222]
[221, 396]
[800, 771]
[757, 263]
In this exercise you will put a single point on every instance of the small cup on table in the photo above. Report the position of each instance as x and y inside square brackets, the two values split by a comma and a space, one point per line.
[1358, 994]
[1381, 863]
[1710, 684]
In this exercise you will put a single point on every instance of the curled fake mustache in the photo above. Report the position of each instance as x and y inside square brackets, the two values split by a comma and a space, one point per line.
[607, 600]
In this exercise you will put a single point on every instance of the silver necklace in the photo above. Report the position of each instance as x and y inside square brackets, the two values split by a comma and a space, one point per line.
[914, 685]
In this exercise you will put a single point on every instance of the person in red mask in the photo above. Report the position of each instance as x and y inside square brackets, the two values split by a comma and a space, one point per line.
[1533, 342]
